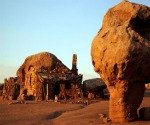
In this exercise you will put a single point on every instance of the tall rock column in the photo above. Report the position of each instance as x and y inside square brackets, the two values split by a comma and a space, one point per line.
[121, 55]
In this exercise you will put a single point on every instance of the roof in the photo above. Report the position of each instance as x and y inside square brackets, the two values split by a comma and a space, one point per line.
[59, 76]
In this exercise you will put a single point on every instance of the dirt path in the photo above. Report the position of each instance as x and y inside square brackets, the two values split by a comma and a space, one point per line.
[51, 113]
[32, 113]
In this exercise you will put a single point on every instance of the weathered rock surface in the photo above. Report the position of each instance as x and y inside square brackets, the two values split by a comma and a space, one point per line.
[96, 86]
[28, 73]
[35, 63]
[10, 88]
[121, 55]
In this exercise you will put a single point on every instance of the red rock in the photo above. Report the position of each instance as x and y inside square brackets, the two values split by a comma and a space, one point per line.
[121, 55]
[43, 76]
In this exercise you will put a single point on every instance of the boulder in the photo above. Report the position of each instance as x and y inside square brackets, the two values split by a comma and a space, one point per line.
[28, 73]
[35, 63]
[43, 60]
[144, 113]
[121, 55]
[95, 86]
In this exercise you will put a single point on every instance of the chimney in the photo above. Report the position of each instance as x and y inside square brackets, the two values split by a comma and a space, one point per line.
[74, 64]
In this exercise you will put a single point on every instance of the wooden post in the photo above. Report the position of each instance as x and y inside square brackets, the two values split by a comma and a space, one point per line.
[47, 91]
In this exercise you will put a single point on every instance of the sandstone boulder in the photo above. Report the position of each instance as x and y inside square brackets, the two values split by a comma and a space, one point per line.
[121, 55]
[35, 63]
[41, 60]
[95, 86]
[28, 74]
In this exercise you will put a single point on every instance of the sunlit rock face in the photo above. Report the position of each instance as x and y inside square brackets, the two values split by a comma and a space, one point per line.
[43, 75]
[28, 72]
[121, 55]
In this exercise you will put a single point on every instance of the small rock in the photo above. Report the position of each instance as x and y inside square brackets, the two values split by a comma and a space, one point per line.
[104, 118]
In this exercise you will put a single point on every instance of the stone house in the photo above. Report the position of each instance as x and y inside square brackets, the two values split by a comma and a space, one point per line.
[43, 76]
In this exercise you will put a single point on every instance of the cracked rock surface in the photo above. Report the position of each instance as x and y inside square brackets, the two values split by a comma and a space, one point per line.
[121, 55]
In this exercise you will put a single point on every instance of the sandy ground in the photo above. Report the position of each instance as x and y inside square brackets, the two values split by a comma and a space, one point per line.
[51, 113]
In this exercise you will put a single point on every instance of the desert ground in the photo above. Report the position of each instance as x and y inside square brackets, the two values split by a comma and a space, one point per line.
[55, 113]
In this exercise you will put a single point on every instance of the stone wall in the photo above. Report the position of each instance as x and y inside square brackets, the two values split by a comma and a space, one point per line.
[11, 88]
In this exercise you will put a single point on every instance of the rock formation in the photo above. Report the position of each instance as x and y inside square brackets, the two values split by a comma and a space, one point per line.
[27, 73]
[11, 88]
[95, 86]
[43, 75]
[121, 55]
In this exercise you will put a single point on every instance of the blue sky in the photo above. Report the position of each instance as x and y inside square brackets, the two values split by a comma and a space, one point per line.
[61, 27]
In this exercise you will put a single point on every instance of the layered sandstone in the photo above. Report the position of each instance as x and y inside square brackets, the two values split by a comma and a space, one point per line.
[121, 55]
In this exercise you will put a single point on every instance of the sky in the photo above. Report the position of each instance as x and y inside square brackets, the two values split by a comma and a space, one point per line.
[61, 27]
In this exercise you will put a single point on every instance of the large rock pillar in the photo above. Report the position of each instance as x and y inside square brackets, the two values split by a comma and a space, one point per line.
[124, 101]
[121, 55]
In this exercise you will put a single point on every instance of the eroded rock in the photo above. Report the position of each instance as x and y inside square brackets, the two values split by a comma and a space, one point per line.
[28, 73]
[121, 55]
[44, 76]
[95, 86]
